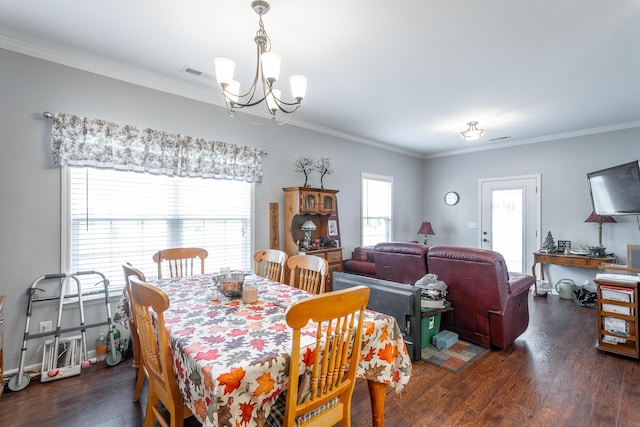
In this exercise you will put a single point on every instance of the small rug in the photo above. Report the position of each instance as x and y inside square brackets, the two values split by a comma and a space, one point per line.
[456, 358]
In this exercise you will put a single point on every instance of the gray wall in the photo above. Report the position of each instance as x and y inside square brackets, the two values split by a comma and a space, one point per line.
[565, 201]
[30, 184]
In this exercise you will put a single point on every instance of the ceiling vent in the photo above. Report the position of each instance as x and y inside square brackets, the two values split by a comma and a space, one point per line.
[192, 71]
[499, 139]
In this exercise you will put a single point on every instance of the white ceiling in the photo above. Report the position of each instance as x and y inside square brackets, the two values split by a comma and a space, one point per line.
[403, 74]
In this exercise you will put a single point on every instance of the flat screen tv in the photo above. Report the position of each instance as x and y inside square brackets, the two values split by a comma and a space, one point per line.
[616, 190]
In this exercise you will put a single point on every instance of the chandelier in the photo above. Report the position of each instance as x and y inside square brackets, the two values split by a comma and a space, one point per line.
[473, 133]
[267, 73]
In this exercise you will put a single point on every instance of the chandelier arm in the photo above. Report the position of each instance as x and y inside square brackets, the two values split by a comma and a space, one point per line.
[248, 104]
[281, 105]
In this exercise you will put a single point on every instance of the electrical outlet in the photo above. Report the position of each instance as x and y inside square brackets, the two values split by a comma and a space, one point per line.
[46, 326]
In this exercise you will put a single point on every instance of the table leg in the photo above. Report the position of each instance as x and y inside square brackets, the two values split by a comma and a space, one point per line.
[533, 273]
[377, 393]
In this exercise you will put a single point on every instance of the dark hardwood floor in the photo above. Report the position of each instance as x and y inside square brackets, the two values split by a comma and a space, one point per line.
[552, 375]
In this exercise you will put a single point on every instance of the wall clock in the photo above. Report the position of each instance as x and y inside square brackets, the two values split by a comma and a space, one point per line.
[451, 198]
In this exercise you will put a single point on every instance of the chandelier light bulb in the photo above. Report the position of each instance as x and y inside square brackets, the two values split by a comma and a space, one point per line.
[272, 104]
[232, 91]
[271, 66]
[225, 68]
[298, 86]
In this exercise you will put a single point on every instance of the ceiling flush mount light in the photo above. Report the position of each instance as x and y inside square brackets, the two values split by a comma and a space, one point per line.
[473, 133]
[267, 73]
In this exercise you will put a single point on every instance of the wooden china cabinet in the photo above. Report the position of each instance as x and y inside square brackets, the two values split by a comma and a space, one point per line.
[320, 206]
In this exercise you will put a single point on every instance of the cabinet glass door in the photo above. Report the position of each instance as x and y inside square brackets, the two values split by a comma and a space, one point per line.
[309, 202]
[328, 202]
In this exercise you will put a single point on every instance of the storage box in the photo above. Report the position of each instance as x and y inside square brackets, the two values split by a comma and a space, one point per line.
[429, 328]
[445, 339]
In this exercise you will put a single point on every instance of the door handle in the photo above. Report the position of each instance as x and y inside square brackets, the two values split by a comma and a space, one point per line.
[485, 240]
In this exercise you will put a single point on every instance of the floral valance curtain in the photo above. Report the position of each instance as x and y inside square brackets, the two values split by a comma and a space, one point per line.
[80, 141]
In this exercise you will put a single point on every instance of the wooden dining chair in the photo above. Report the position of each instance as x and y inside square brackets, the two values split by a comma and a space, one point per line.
[308, 272]
[336, 354]
[156, 355]
[130, 270]
[271, 264]
[180, 260]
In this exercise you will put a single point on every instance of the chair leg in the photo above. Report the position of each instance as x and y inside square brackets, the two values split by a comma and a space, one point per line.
[139, 383]
[152, 402]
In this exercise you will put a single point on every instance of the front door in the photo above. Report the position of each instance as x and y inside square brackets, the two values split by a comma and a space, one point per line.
[510, 219]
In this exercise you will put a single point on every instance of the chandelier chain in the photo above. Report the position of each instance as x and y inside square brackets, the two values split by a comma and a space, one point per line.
[262, 35]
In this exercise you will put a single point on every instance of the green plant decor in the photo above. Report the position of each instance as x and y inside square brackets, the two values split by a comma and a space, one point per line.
[549, 244]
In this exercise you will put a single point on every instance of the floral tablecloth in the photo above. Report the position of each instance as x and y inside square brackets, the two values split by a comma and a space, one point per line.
[231, 358]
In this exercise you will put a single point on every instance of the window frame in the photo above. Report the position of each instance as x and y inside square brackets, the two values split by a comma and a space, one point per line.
[382, 178]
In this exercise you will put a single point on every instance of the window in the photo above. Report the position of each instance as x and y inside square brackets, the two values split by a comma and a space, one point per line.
[112, 217]
[377, 220]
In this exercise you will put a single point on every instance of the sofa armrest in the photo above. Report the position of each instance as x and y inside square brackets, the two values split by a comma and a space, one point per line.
[519, 284]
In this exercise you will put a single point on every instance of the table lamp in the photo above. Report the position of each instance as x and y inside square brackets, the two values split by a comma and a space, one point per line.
[308, 227]
[426, 229]
[600, 219]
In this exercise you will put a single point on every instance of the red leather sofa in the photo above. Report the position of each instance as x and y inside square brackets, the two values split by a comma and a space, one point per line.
[402, 262]
[490, 308]
[362, 262]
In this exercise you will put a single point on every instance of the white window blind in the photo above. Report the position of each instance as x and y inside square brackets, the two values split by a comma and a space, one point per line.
[117, 216]
[377, 200]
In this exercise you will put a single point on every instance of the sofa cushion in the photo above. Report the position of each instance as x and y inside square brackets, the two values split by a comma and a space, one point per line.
[401, 262]
[360, 267]
[362, 253]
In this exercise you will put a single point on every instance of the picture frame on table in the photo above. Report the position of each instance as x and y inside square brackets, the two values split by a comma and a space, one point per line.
[332, 227]
[563, 245]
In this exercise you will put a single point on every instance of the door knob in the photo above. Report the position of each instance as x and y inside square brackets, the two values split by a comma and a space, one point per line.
[485, 240]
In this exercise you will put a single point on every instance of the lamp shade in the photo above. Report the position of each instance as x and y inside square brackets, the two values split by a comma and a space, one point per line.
[224, 70]
[308, 226]
[426, 228]
[600, 219]
[298, 86]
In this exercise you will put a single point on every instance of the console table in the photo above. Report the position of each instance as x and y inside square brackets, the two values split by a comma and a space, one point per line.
[582, 261]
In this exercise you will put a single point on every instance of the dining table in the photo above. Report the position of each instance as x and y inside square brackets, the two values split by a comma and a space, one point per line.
[231, 358]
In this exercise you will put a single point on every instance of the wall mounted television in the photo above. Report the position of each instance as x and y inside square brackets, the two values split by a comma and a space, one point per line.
[616, 190]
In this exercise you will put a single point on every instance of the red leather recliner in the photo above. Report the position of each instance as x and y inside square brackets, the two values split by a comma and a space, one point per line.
[402, 262]
[489, 308]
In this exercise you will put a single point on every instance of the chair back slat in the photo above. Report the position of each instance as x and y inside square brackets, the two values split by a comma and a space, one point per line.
[180, 261]
[336, 353]
[308, 272]
[270, 263]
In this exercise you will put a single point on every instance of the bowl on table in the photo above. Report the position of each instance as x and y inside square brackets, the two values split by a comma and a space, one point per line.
[230, 284]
